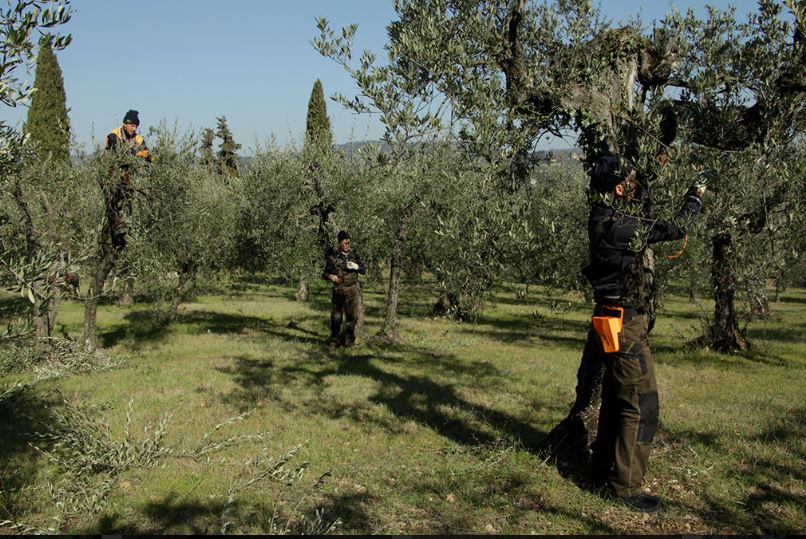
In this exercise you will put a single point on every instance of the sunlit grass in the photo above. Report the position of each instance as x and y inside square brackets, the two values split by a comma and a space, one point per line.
[438, 434]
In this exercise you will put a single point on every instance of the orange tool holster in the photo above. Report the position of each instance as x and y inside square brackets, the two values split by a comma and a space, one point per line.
[608, 325]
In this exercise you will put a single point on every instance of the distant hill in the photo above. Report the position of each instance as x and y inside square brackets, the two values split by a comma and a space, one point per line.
[350, 148]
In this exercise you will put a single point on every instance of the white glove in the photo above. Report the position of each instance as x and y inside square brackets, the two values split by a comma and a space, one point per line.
[352, 265]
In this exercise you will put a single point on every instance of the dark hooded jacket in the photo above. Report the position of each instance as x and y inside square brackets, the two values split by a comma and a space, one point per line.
[617, 239]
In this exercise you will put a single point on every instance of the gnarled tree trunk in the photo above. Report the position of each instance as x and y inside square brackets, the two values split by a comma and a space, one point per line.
[185, 274]
[724, 334]
[106, 262]
[389, 328]
[574, 435]
[127, 294]
[302, 291]
[108, 255]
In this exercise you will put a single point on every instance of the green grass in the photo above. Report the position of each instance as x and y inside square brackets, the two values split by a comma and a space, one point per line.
[437, 435]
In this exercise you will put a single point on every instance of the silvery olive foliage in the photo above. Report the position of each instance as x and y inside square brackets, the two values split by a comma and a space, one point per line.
[493, 77]
[23, 24]
[182, 219]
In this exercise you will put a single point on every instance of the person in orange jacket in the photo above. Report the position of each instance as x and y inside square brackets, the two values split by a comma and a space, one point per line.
[127, 136]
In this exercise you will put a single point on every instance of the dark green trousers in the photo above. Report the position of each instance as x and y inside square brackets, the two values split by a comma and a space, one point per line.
[628, 417]
[344, 303]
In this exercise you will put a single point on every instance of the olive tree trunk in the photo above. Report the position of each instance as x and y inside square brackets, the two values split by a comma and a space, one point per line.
[724, 334]
[108, 255]
[106, 261]
[185, 274]
[389, 328]
[302, 291]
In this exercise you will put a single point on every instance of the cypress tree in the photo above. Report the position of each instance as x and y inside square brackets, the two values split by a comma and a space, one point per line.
[317, 125]
[47, 123]
[227, 156]
[207, 154]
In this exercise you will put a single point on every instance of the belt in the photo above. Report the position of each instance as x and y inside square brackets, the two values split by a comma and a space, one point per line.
[629, 312]
[342, 287]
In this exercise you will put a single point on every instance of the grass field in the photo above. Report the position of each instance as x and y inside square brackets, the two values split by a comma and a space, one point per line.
[268, 432]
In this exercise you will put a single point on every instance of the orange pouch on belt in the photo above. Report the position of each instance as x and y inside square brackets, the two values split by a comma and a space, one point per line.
[608, 327]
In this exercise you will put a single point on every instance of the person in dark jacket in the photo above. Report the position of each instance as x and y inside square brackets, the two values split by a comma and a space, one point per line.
[628, 417]
[342, 268]
[125, 136]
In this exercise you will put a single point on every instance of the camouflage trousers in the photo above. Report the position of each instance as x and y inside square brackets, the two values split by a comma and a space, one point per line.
[628, 417]
[344, 303]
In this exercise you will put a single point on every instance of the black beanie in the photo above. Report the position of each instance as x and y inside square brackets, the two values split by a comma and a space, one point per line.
[131, 118]
[608, 172]
[343, 235]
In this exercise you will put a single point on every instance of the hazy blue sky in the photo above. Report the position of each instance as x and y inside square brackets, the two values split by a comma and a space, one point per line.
[193, 60]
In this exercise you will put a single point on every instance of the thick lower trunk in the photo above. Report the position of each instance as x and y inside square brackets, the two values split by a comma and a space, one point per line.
[41, 322]
[106, 262]
[760, 305]
[572, 438]
[389, 328]
[693, 288]
[780, 286]
[44, 316]
[574, 435]
[127, 295]
[724, 335]
[53, 307]
[302, 292]
[184, 277]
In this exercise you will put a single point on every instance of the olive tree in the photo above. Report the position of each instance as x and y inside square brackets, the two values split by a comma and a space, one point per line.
[401, 179]
[500, 74]
[741, 110]
[184, 224]
[31, 259]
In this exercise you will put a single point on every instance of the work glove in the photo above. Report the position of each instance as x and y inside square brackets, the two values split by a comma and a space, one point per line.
[700, 184]
[352, 265]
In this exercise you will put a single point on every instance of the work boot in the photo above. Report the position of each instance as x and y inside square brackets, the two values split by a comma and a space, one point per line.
[119, 241]
[644, 503]
[332, 346]
[349, 340]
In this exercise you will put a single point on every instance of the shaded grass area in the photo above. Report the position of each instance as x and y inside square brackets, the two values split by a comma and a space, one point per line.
[438, 434]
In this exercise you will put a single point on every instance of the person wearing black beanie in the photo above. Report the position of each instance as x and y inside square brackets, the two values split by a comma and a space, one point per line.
[342, 268]
[127, 134]
[122, 138]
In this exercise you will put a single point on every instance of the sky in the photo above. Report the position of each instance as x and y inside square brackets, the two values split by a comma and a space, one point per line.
[190, 61]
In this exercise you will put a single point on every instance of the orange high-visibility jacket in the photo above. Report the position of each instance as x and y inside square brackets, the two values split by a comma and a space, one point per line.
[137, 143]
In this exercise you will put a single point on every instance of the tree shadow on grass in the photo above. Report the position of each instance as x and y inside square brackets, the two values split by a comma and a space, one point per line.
[148, 326]
[509, 494]
[255, 379]
[13, 307]
[430, 403]
[772, 497]
[20, 416]
[353, 510]
[525, 329]
[796, 333]
[173, 515]
[169, 515]
[692, 352]
[141, 327]
[416, 397]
